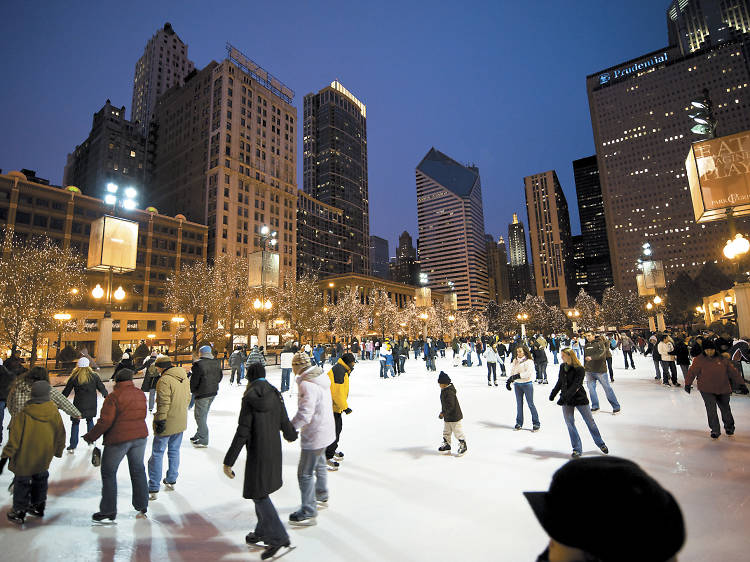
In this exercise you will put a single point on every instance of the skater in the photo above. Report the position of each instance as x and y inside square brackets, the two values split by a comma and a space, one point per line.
[126, 362]
[608, 356]
[450, 413]
[314, 421]
[20, 393]
[665, 347]
[36, 434]
[6, 380]
[682, 354]
[490, 356]
[637, 497]
[540, 363]
[150, 376]
[713, 373]
[502, 351]
[554, 348]
[522, 377]
[653, 350]
[262, 417]
[627, 345]
[595, 353]
[170, 420]
[123, 424]
[235, 364]
[85, 383]
[255, 356]
[204, 386]
[339, 376]
[572, 398]
[285, 360]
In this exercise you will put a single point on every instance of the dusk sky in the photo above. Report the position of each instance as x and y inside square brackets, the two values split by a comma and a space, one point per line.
[499, 84]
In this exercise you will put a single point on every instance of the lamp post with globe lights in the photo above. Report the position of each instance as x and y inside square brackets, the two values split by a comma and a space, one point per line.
[264, 305]
[61, 318]
[574, 315]
[522, 318]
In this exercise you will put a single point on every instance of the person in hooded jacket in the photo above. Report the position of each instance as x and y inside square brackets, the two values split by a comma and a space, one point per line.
[262, 416]
[540, 362]
[451, 414]
[85, 383]
[573, 397]
[204, 386]
[123, 424]
[339, 376]
[314, 421]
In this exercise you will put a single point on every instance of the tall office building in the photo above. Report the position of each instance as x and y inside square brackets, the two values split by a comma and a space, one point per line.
[379, 257]
[320, 238]
[579, 264]
[405, 267]
[695, 24]
[164, 64]
[497, 269]
[640, 118]
[115, 151]
[335, 163]
[598, 268]
[225, 156]
[519, 275]
[451, 228]
[549, 232]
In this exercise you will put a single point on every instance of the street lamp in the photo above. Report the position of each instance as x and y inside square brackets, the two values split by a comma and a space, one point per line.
[424, 316]
[61, 317]
[177, 320]
[522, 317]
[656, 307]
[263, 305]
[573, 315]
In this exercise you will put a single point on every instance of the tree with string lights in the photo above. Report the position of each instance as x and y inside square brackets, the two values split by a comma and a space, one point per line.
[190, 291]
[349, 313]
[300, 302]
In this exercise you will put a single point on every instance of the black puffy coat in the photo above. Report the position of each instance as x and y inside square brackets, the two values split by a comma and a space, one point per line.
[682, 353]
[6, 379]
[570, 386]
[85, 394]
[539, 355]
[206, 377]
[262, 416]
[449, 403]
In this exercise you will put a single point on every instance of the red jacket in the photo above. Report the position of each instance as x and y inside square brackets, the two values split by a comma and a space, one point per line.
[713, 374]
[123, 416]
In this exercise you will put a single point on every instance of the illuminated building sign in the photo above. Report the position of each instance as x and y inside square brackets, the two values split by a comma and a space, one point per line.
[619, 73]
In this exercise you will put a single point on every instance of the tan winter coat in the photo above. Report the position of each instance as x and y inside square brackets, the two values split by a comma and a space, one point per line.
[172, 400]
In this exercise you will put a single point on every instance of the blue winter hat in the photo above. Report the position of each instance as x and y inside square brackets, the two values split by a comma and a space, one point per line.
[205, 351]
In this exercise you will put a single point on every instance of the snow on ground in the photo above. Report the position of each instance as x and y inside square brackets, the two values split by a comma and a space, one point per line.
[395, 498]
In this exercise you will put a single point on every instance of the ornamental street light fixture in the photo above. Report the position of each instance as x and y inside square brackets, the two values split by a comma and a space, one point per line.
[656, 307]
[574, 315]
[522, 317]
[177, 321]
[263, 306]
[703, 116]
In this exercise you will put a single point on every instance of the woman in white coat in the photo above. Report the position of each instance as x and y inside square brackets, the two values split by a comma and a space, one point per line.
[522, 374]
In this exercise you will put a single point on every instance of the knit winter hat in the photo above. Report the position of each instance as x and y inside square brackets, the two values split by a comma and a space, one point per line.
[124, 375]
[300, 362]
[205, 351]
[349, 359]
[708, 344]
[163, 361]
[443, 378]
[39, 392]
[126, 356]
[83, 362]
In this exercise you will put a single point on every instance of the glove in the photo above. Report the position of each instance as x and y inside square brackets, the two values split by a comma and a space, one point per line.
[510, 380]
[2, 464]
[160, 426]
[294, 437]
[551, 397]
[440, 415]
[348, 411]
[743, 389]
[688, 388]
[228, 471]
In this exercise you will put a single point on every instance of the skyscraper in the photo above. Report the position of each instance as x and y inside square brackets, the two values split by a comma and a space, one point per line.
[549, 232]
[379, 257]
[164, 64]
[497, 268]
[579, 264]
[640, 118]
[598, 269]
[320, 238]
[451, 228]
[335, 163]
[405, 268]
[695, 24]
[519, 277]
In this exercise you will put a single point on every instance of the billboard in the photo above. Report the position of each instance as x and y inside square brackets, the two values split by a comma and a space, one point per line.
[266, 274]
[113, 243]
[719, 176]
[653, 275]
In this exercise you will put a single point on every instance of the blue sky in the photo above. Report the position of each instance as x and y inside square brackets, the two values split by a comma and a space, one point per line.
[498, 84]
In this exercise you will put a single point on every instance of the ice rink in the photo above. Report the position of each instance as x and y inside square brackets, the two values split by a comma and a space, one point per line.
[395, 497]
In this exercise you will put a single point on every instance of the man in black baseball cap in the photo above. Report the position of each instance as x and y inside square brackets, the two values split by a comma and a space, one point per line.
[644, 524]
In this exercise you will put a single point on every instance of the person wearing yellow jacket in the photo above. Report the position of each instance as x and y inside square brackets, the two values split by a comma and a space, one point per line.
[339, 375]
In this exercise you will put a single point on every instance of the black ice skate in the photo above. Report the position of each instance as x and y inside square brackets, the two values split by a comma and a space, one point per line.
[37, 510]
[445, 447]
[461, 448]
[299, 519]
[277, 551]
[103, 518]
[16, 516]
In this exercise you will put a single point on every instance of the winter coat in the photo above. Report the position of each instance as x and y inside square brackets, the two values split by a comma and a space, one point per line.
[713, 374]
[523, 367]
[235, 359]
[339, 375]
[449, 405]
[502, 351]
[206, 377]
[314, 417]
[6, 379]
[598, 353]
[490, 355]
[255, 356]
[626, 343]
[540, 356]
[570, 386]
[696, 349]
[123, 416]
[723, 345]
[20, 393]
[124, 364]
[665, 350]
[286, 359]
[262, 416]
[36, 434]
[85, 398]
[150, 377]
[682, 353]
[172, 399]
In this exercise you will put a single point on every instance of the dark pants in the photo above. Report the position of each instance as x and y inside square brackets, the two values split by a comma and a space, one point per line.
[401, 363]
[711, 401]
[30, 491]
[491, 370]
[502, 366]
[74, 430]
[111, 459]
[332, 447]
[609, 368]
[628, 353]
[2, 417]
[668, 367]
[269, 526]
[657, 361]
[541, 371]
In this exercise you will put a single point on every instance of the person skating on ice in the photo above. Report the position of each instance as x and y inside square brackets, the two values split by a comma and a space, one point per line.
[522, 373]
[339, 376]
[451, 415]
[595, 364]
[84, 383]
[572, 398]
[490, 357]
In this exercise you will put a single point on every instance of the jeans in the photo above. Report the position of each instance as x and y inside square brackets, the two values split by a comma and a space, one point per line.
[491, 370]
[525, 389]
[285, 379]
[242, 372]
[429, 362]
[29, 491]
[591, 379]
[401, 362]
[74, 430]
[541, 371]
[479, 358]
[382, 368]
[657, 360]
[628, 353]
[231, 375]
[151, 399]
[502, 365]
[667, 368]
[158, 446]
[684, 369]
[555, 360]
[609, 368]
[331, 449]
[468, 359]
[202, 405]
[722, 401]
[312, 465]
[269, 526]
[575, 439]
[111, 458]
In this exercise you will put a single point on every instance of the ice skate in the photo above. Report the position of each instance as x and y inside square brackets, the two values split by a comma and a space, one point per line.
[322, 504]
[517, 427]
[153, 496]
[37, 510]
[604, 449]
[169, 486]
[70, 450]
[277, 551]
[535, 428]
[299, 519]
[103, 518]
[575, 455]
[462, 448]
[16, 516]
[338, 455]
[332, 465]
[445, 447]
[251, 539]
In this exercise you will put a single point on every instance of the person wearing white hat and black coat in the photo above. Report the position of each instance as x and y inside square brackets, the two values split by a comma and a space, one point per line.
[85, 383]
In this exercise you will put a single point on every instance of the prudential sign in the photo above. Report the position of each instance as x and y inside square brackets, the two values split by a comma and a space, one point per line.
[619, 73]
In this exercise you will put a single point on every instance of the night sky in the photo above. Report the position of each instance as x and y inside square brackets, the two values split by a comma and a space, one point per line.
[500, 84]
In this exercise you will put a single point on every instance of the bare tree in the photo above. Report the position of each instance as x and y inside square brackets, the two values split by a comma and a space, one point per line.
[301, 304]
[349, 313]
[382, 313]
[190, 291]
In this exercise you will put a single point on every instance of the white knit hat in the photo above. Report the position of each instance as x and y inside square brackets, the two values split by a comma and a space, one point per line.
[83, 362]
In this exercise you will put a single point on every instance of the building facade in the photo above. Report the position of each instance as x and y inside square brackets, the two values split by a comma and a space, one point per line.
[225, 156]
[579, 264]
[164, 64]
[598, 268]
[549, 232]
[320, 238]
[451, 228]
[335, 163]
[696, 24]
[519, 274]
[405, 267]
[497, 270]
[114, 152]
[379, 257]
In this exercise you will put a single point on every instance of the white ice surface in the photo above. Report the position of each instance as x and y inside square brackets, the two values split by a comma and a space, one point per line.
[395, 498]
